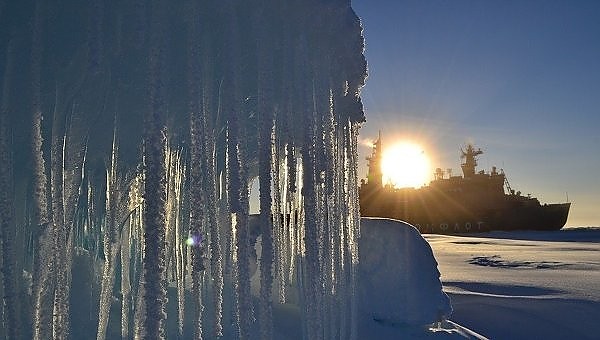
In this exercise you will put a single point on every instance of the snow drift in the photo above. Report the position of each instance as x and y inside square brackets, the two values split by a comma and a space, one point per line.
[399, 278]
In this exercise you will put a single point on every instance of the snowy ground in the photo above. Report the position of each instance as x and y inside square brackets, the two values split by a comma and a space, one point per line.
[523, 285]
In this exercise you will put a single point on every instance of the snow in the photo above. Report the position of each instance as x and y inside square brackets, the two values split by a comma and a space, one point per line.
[523, 285]
[399, 280]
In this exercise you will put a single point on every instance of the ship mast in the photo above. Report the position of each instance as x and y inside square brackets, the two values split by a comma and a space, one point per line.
[469, 154]
[375, 176]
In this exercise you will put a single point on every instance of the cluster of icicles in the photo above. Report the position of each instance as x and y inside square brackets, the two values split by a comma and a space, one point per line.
[307, 247]
[178, 224]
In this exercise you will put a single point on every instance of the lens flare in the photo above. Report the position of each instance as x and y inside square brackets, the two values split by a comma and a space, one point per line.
[194, 240]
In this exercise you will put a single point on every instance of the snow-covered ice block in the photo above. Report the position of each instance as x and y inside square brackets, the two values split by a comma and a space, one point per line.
[399, 281]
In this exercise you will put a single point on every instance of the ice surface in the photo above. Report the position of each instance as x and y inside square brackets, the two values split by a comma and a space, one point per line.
[523, 285]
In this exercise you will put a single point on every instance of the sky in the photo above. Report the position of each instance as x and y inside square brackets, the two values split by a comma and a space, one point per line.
[519, 79]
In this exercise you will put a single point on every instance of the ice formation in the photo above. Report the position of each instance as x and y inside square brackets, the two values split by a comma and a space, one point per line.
[207, 96]
[399, 279]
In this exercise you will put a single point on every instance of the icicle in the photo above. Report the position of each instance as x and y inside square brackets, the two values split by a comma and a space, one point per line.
[125, 279]
[59, 324]
[215, 244]
[121, 201]
[311, 238]
[265, 107]
[243, 248]
[155, 191]
[331, 222]
[140, 310]
[237, 177]
[278, 219]
[210, 188]
[179, 172]
[294, 110]
[136, 234]
[154, 239]
[237, 173]
[169, 202]
[284, 242]
[196, 178]
[266, 223]
[174, 236]
[42, 288]
[108, 237]
[196, 219]
[354, 227]
[70, 163]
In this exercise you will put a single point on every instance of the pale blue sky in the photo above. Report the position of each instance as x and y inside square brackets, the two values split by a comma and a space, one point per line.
[520, 79]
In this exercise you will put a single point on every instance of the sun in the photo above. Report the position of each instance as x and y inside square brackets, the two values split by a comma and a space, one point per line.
[405, 165]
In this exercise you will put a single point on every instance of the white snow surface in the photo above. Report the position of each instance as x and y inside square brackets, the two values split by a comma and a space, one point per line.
[523, 285]
[399, 279]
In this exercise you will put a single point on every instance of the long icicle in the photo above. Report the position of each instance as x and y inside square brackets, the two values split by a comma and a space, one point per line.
[209, 112]
[154, 288]
[59, 237]
[265, 159]
[179, 180]
[110, 241]
[196, 178]
[125, 276]
[42, 278]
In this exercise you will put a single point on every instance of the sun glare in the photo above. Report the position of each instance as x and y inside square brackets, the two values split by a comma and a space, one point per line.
[405, 165]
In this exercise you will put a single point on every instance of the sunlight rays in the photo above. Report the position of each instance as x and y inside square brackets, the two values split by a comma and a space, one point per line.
[405, 165]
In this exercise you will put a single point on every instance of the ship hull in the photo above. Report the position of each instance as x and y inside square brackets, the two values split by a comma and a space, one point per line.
[448, 216]
[543, 217]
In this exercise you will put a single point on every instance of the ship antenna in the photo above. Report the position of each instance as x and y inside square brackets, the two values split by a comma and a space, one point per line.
[470, 156]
